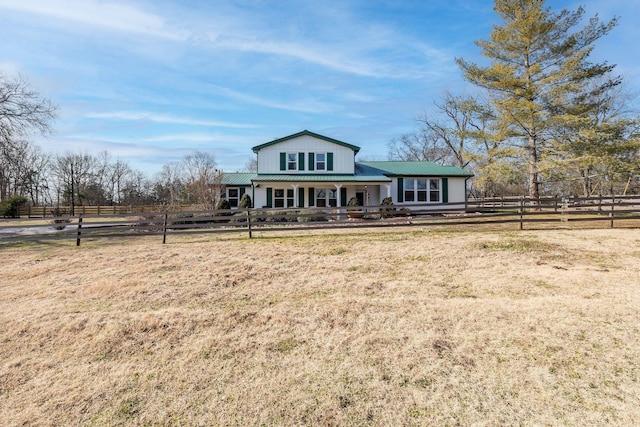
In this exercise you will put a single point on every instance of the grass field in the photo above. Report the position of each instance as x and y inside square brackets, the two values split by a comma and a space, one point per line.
[392, 328]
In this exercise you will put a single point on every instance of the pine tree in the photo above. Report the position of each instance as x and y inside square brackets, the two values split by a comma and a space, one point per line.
[537, 62]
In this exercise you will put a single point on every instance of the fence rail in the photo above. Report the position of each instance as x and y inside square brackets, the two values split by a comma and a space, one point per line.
[517, 212]
[53, 211]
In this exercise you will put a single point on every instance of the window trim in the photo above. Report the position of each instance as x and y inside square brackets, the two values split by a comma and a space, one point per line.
[414, 194]
[322, 162]
[289, 161]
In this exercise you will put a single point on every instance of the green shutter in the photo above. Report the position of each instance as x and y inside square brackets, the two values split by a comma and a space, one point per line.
[269, 197]
[242, 190]
[400, 190]
[343, 196]
[301, 198]
[312, 196]
[300, 161]
[329, 161]
[283, 161]
[312, 163]
[445, 190]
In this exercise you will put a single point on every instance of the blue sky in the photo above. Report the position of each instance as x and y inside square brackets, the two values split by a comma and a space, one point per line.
[152, 80]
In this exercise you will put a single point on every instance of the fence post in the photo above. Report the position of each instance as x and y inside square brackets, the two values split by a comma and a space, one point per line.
[164, 228]
[613, 202]
[249, 223]
[565, 210]
[79, 230]
[521, 212]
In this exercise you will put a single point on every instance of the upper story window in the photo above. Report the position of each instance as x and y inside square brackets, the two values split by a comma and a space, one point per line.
[321, 161]
[292, 161]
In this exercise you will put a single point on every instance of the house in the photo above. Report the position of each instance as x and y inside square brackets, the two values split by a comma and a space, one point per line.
[306, 170]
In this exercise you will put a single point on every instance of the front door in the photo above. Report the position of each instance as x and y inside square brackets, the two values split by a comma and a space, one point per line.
[360, 197]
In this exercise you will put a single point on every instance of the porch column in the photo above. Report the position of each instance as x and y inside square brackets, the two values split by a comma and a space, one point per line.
[388, 187]
[338, 198]
[295, 195]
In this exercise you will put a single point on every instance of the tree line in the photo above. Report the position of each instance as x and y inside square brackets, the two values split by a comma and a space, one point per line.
[76, 179]
[543, 119]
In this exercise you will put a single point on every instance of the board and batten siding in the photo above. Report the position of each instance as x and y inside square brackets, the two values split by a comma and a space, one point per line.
[269, 157]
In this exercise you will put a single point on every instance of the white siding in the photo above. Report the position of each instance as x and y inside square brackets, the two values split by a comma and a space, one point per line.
[269, 157]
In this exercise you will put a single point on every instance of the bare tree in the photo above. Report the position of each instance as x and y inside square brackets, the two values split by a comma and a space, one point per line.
[251, 165]
[202, 178]
[74, 173]
[22, 111]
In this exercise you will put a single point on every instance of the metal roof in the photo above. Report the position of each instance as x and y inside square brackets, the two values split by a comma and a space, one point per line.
[319, 178]
[306, 133]
[364, 172]
[238, 179]
[400, 168]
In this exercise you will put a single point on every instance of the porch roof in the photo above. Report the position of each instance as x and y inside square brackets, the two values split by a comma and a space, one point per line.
[319, 178]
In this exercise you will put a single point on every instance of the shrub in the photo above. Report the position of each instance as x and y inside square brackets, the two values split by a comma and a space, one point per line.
[11, 207]
[223, 204]
[354, 213]
[387, 212]
[245, 201]
[312, 215]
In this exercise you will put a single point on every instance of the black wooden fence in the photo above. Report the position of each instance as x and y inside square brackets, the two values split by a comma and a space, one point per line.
[508, 213]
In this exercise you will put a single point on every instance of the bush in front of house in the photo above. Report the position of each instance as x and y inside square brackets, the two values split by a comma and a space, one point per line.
[245, 202]
[223, 204]
[10, 208]
[387, 212]
[353, 208]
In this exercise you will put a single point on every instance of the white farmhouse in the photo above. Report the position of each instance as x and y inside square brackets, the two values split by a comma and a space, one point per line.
[310, 170]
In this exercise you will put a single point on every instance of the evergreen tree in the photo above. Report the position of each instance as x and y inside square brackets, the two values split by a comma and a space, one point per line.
[537, 63]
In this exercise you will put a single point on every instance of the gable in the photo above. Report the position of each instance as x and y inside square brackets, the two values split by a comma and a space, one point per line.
[300, 137]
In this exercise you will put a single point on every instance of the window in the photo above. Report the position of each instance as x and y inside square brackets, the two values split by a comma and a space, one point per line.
[321, 159]
[292, 161]
[409, 192]
[278, 198]
[333, 198]
[233, 196]
[434, 190]
[326, 198]
[421, 190]
[321, 198]
[290, 198]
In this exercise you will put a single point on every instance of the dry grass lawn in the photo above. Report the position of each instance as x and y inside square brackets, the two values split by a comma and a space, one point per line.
[405, 328]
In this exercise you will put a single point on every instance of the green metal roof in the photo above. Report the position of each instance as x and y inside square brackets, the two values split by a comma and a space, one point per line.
[364, 172]
[238, 179]
[320, 178]
[306, 133]
[400, 168]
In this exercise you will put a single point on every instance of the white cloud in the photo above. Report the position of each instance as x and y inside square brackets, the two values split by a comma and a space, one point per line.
[165, 118]
[308, 106]
[108, 15]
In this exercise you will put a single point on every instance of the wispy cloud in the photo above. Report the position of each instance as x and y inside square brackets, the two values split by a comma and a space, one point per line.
[308, 106]
[102, 14]
[166, 118]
